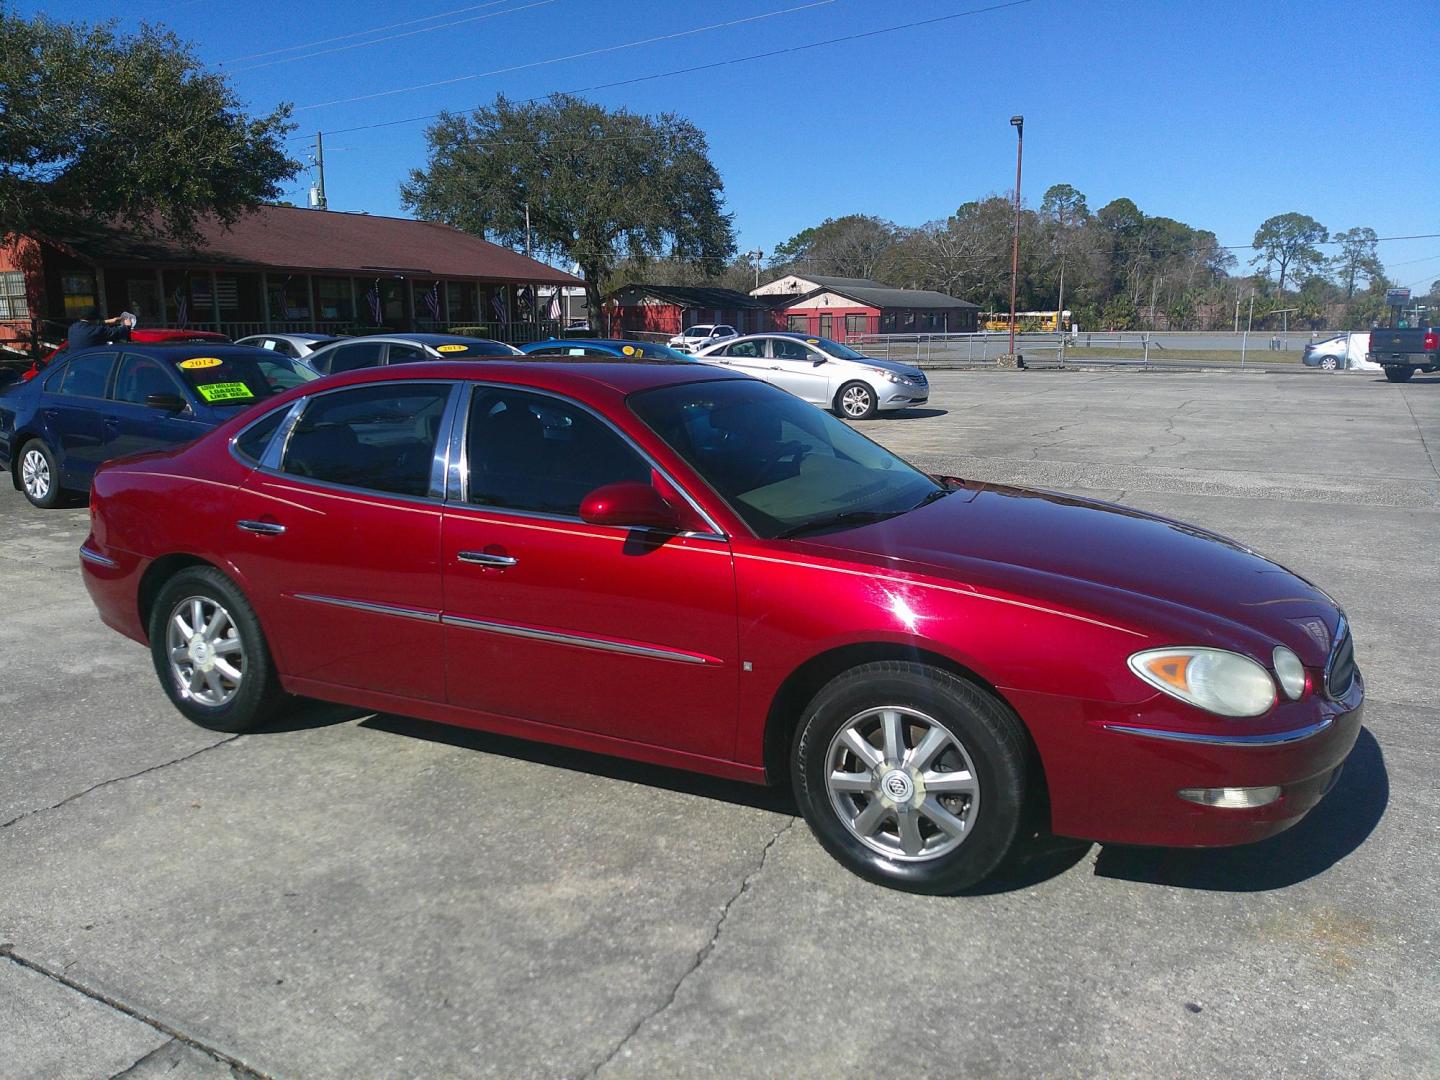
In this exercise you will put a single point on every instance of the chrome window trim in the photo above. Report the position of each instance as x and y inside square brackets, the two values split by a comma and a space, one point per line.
[459, 488]
[375, 609]
[579, 641]
[1276, 738]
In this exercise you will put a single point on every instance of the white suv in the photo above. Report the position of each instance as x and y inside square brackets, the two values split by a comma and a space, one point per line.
[823, 372]
[702, 337]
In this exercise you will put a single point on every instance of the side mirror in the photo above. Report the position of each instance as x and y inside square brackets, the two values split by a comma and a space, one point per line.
[167, 402]
[629, 504]
[818, 362]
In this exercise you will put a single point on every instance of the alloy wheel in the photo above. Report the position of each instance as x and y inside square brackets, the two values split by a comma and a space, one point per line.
[902, 783]
[35, 474]
[207, 657]
[855, 401]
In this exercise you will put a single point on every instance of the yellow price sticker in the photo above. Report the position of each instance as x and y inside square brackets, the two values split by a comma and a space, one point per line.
[629, 350]
[451, 348]
[196, 363]
[225, 391]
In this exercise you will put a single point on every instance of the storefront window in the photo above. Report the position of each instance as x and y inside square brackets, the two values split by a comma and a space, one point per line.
[429, 304]
[13, 304]
[462, 303]
[798, 324]
[334, 299]
[78, 291]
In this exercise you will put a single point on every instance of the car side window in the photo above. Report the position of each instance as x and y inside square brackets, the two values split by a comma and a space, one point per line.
[537, 453]
[724, 331]
[380, 437]
[406, 354]
[255, 440]
[139, 377]
[751, 349]
[362, 354]
[86, 376]
[790, 349]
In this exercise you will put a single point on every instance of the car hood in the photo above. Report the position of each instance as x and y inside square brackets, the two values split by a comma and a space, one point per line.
[1162, 577]
[908, 370]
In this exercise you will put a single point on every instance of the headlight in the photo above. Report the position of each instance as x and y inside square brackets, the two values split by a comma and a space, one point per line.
[1290, 671]
[888, 376]
[1217, 681]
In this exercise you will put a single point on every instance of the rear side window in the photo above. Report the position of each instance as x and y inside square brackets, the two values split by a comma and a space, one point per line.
[406, 354]
[362, 354]
[380, 437]
[255, 439]
[86, 376]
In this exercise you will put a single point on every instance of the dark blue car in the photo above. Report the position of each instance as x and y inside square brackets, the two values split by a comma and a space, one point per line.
[119, 399]
[624, 350]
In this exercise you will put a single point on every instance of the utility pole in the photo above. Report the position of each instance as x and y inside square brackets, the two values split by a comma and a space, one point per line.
[527, 230]
[1245, 341]
[320, 203]
[756, 255]
[1018, 122]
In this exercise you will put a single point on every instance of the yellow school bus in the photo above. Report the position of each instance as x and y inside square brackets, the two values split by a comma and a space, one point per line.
[1026, 321]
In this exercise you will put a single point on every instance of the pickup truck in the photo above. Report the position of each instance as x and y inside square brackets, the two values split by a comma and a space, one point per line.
[1403, 352]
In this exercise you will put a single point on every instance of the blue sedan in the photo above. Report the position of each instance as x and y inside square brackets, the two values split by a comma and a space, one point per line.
[622, 350]
[113, 400]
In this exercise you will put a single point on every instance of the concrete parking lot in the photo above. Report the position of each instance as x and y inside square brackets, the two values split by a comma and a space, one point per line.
[371, 896]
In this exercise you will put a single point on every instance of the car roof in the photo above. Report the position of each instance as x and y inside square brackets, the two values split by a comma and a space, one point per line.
[174, 351]
[575, 375]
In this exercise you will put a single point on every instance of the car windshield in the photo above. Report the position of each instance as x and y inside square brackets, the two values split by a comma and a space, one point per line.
[782, 465]
[242, 378]
[459, 350]
[835, 349]
[699, 331]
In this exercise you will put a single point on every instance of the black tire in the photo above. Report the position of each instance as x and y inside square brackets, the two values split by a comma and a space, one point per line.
[1399, 374]
[987, 733]
[36, 455]
[861, 392]
[257, 697]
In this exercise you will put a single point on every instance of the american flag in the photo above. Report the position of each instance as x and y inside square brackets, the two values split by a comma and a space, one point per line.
[432, 301]
[182, 305]
[502, 312]
[373, 296]
[554, 312]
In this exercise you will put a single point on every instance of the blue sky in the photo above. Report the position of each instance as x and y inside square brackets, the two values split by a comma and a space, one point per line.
[1219, 114]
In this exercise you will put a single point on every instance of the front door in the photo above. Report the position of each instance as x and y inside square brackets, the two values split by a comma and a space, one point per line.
[796, 367]
[624, 633]
[342, 541]
[132, 426]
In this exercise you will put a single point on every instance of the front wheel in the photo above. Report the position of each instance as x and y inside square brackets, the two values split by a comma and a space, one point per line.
[40, 475]
[1399, 374]
[911, 777]
[856, 401]
[210, 653]
[1328, 363]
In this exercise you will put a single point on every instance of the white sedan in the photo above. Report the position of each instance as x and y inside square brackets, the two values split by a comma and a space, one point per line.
[702, 336]
[823, 372]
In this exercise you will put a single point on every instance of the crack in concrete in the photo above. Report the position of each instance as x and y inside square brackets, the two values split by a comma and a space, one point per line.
[238, 1067]
[1420, 432]
[701, 955]
[116, 780]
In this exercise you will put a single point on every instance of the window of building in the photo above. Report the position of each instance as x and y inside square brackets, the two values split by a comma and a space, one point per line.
[855, 324]
[334, 299]
[798, 324]
[462, 302]
[86, 376]
[429, 303]
[78, 291]
[13, 303]
[380, 437]
[528, 452]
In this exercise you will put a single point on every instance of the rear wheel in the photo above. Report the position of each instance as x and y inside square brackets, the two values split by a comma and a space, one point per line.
[856, 401]
[911, 777]
[40, 475]
[210, 653]
[1396, 373]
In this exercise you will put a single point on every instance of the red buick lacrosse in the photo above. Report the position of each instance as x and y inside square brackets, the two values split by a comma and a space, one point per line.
[688, 567]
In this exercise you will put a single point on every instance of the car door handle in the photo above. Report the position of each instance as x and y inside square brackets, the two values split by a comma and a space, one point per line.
[264, 528]
[484, 558]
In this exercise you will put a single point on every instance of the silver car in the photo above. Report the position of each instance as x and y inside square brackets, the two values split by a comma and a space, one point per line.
[380, 349]
[297, 346]
[823, 372]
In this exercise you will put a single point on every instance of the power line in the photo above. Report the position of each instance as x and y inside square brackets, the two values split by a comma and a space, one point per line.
[362, 33]
[392, 37]
[571, 56]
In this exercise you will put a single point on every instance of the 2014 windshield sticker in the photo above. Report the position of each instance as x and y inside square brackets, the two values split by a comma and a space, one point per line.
[451, 348]
[225, 391]
[197, 362]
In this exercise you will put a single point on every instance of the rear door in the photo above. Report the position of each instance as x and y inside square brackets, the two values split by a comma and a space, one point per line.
[338, 537]
[130, 425]
[72, 410]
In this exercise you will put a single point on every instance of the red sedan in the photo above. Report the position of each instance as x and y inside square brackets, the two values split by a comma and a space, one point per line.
[688, 567]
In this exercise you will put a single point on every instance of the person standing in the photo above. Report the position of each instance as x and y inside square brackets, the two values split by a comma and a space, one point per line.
[91, 329]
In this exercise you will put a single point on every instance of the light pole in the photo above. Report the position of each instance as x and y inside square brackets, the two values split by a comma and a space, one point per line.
[1018, 122]
[756, 255]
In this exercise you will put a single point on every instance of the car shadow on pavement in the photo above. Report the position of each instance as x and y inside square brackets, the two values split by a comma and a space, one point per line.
[306, 714]
[912, 414]
[1335, 828]
[560, 757]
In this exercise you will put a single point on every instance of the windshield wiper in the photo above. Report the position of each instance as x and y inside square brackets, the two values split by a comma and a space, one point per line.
[938, 493]
[835, 521]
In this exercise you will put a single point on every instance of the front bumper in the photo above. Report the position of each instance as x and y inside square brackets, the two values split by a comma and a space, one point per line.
[1114, 772]
[904, 397]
